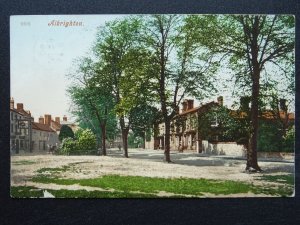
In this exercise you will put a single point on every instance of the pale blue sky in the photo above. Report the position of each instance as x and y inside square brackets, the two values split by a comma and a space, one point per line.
[42, 55]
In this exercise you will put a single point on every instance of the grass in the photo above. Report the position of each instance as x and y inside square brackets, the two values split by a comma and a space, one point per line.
[24, 162]
[179, 186]
[25, 192]
[149, 187]
[32, 192]
[284, 179]
[53, 170]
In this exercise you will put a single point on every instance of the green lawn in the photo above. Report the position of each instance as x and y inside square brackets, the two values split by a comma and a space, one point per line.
[24, 162]
[177, 186]
[150, 187]
[32, 192]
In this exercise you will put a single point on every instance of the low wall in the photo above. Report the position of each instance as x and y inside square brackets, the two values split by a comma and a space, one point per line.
[223, 148]
[233, 149]
[276, 155]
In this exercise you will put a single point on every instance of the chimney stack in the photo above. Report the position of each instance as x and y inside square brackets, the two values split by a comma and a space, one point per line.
[65, 118]
[20, 106]
[41, 120]
[282, 104]
[57, 120]
[245, 103]
[220, 100]
[184, 106]
[12, 103]
[48, 119]
[190, 103]
[177, 109]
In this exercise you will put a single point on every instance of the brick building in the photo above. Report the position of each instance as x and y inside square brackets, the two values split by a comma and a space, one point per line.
[184, 127]
[20, 128]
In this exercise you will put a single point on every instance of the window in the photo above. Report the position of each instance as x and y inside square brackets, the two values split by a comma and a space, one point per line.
[11, 116]
[11, 128]
[21, 144]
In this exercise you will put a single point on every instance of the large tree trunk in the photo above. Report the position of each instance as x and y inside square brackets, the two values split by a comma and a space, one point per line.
[124, 131]
[167, 140]
[200, 145]
[252, 149]
[103, 128]
[125, 141]
[255, 76]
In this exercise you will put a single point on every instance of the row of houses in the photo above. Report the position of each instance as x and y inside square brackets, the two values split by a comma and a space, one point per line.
[185, 132]
[26, 135]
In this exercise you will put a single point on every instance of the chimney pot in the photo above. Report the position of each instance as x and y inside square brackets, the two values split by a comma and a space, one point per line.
[282, 104]
[12, 103]
[41, 120]
[184, 106]
[65, 118]
[57, 120]
[220, 100]
[190, 104]
[19, 106]
[48, 119]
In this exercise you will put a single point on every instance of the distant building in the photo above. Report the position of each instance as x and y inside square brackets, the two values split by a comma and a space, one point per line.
[29, 136]
[20, 128]
[72, 125]
[184, 134]
[43, 137]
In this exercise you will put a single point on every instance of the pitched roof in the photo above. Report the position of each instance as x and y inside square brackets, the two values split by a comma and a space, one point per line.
[42, 127]
[55, 125]
[198, 108]
[21, 112]
[265, 115]
[273, 115]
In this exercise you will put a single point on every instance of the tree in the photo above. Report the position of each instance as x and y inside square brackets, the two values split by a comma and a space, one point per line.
[93, 101]
[124, 65]
[65, 132]
[143, 117]
[86, 140]
[257, 47]
[183, 67]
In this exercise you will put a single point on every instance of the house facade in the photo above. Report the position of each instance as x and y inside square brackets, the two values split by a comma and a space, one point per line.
[185, 134]
[28, 136]
[20, 128]
[43, 137]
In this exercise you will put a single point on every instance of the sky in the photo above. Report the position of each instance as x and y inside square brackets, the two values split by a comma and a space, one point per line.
[42, 56]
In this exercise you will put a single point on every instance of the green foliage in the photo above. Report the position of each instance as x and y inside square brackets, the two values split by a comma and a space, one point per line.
[289, 140]
[65, 132]
[270, 139]
[135, 141]
[85, 143]
[68, 146]
[220, 121]
[86, 140]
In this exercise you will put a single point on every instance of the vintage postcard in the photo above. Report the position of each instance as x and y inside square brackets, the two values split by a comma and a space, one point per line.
[152, 106]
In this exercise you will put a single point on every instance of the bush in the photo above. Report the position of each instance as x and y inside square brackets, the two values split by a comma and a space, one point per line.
[84, 143]
[289, 140]
[65, 132]
[68, 146]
